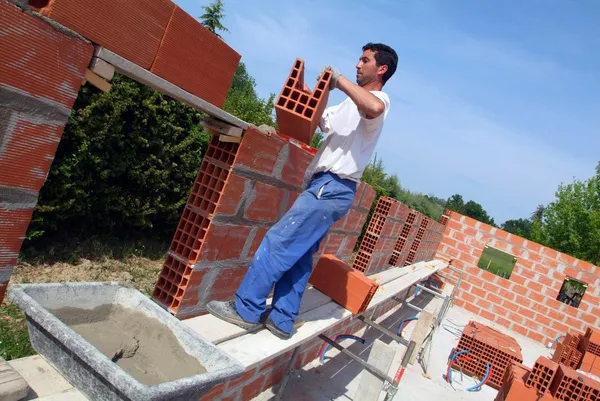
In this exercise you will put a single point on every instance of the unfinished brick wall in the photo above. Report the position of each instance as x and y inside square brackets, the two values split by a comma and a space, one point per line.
[241, 190]
[41, 72]
[527, 301]
[396, 236]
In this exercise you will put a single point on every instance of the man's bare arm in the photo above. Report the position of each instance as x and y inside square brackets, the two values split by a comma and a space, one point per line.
[367, 103]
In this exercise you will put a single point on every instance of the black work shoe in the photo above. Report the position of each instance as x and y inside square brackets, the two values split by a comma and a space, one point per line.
[276, 331]
[226, 311]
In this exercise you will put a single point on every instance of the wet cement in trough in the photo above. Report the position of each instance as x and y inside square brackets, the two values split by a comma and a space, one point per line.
[138, 344]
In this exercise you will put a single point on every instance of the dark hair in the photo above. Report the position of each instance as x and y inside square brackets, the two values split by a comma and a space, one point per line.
[384, 55]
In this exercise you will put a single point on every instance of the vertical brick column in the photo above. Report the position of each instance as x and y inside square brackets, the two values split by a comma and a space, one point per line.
[241, 190]
[40, 75]
[380, 237]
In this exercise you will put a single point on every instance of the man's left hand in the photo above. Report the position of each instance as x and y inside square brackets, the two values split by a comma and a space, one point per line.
[335, 74]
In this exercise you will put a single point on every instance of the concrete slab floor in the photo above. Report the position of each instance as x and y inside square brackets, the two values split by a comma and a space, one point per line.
[339, 377]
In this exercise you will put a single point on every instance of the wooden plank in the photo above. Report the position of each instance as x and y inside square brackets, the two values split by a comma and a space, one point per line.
[97, 81]
[135, 72]
[230, 139]
[381, 356]
[423, 327]
[217, 331]
[222, 127]
[252, 349]
[102, 68]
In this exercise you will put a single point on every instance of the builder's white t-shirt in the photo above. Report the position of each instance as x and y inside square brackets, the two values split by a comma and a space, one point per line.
[350, 140]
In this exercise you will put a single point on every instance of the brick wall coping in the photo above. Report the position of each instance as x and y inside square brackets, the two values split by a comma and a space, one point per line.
[257, 348]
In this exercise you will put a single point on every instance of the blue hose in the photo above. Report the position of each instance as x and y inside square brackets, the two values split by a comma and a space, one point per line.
[487, 374]
[360, 340]
[401, 327]
[456, 355]
[555, 341]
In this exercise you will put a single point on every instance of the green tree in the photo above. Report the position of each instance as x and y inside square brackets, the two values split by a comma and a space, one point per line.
[571, 224]
[317, 139]
[456, 203]
[477, 212]
[521, 227]
[126, 161]
[471, 208]
[213, 17]
[243, 102]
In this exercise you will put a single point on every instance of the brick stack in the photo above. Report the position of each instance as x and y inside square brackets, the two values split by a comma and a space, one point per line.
[35, 102]
[240, 191]
[514, 386]
[380, 237]
[486, 345]
[589, 346]
[404, 243]
[161, 37]
[432, 235]
[298, 113]
[542, 375]
[558, 378]
[346, 286]
[567, 355]
[569, 385]
[397, 236]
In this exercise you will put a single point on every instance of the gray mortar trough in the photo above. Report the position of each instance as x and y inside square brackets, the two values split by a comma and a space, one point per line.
[90, 371]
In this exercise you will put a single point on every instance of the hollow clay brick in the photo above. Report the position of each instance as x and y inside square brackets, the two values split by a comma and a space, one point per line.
[343, 284]
[298, 113]
[103, 22]
[195, 59]
[542, 374]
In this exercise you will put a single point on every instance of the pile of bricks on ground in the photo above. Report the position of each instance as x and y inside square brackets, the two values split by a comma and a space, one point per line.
[397, 236]
[573, 373]
[487, 346]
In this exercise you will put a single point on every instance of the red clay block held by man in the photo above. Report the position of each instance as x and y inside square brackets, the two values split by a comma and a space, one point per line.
[343, 284]
[299, 113]
[131, 28]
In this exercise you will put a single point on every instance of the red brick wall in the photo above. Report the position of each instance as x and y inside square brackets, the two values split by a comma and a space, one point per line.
[526, 302]
[40, 72]
[240, 191]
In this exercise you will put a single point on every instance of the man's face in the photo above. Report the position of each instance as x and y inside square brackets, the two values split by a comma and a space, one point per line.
[367, 70]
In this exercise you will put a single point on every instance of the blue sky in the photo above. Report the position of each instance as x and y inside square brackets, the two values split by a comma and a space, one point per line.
[491, 100]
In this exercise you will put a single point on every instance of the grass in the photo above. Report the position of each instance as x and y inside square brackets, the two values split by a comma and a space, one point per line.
[136, 263]
[497, 262]
[14, 338]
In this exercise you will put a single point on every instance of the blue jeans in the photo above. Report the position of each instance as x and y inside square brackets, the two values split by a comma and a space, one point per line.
[284, 258]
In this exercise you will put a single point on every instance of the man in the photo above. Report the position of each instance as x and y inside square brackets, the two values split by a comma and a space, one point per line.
[284, 258]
